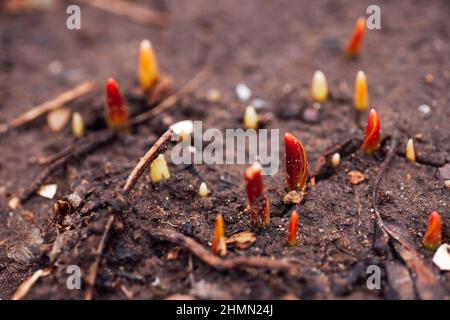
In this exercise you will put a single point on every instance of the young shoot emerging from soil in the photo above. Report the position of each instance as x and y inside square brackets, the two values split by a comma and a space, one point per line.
[354, 44]
[319, 87]
[218, 245]
[361, 98]
[433, 235]
[116, 112]
[258, 203]
[148, 70]
[293, 229]
[371, 140]
[296, 169]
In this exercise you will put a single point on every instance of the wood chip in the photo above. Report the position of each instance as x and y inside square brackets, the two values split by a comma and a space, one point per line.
[58, 119]
[14, 203]
[47, 191]
[442, 257]
[173, 253]
[241, 240]
[355, 177]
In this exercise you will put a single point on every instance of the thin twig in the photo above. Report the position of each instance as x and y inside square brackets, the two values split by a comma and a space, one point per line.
[101, 138]
[215, 262]
[169, 102]
[159, 147]
[426, 283]
[136, 12]
[26, 286]
[93, 269]
[376, 183]
[48, 106]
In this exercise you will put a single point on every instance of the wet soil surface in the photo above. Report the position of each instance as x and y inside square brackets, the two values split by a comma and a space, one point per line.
[273, 47]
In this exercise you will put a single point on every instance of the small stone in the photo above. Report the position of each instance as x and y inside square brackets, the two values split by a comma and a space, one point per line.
[424, 109]
[447, 184]
[187, 229]
[429, 78]
[310, 115]
[444, 172]
[213, 95]
[243, 92]
[293, 197]
[258, 103]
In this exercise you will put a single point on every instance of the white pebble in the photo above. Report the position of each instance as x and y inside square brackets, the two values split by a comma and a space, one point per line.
[243, 92]
[258, 103]
[424, 108]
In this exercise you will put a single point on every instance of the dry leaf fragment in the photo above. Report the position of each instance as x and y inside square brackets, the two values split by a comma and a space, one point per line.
[47, 191]
[241, 240]
[173, 253]
[58, 119]
[442, 257]
[355, 177]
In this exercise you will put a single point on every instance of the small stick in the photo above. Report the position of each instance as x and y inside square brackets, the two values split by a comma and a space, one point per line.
[93, 269]
[377, 180]
[138, 13]
[426, 282]
[48, 106]
[159, 147]
[188, 88]
[101, 137]
[217, 263]
[26, 286]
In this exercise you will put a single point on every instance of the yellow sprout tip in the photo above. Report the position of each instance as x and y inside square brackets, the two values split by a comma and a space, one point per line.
[410, 154]
[159, 171]
[319, 87]
[250, 118]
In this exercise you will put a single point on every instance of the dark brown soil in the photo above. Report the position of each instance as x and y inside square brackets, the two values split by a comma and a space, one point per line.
[274, 48]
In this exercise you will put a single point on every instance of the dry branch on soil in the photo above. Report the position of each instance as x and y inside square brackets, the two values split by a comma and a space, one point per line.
[48, 106]
[217, 263]
[93, 269]
[158, 148]
[426, 283]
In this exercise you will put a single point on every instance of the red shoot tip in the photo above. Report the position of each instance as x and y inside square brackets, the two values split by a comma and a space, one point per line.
[293, 229]
[433, 235]
[218, 246]
[354, 45]
[295, 162]
[371, 141]
[116, 111]
[257, 199]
